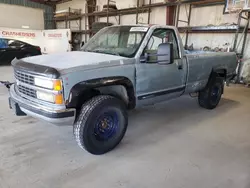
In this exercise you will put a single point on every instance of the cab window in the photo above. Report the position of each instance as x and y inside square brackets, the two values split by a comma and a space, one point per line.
[160, 36]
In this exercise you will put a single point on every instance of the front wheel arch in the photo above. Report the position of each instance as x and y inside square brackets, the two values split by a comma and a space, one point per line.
[95, 87]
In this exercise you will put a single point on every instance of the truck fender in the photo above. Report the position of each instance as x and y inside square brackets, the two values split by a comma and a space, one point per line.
[85, 90]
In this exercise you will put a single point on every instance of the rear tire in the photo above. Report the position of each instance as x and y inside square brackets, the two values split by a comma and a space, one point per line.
[210, 97]
[101, 124]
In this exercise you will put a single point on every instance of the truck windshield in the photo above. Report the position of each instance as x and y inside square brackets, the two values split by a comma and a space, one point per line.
[119, 40]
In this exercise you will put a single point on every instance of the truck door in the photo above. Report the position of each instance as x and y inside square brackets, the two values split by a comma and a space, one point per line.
[156, 82]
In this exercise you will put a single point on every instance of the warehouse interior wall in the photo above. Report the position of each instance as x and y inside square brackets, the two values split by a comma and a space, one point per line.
[158, 15]
[212, 16]
[208, 15]
[48, 11]
[21, 16]
[201, 16]
[74, 4]
[74, 24]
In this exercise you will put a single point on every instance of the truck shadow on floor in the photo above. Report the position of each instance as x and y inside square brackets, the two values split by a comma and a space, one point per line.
[159, 121]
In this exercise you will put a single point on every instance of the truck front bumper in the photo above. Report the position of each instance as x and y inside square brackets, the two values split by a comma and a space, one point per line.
[22, 106]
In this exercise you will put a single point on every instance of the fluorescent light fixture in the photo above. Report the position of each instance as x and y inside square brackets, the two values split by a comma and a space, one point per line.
[25, 26]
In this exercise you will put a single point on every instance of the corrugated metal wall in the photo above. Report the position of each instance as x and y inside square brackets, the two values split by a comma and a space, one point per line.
[48, 11]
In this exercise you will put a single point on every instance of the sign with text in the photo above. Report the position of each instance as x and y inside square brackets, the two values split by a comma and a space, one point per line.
[57, 40]
[50, 41]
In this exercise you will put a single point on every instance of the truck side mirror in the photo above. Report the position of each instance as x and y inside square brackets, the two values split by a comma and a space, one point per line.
[165, 53]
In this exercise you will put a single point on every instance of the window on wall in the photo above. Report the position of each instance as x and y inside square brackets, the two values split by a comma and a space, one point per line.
[160, 36]
[235, 4]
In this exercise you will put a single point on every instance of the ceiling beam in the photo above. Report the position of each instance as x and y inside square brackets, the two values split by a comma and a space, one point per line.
[50, 2]
[208, 2]
[179, 2]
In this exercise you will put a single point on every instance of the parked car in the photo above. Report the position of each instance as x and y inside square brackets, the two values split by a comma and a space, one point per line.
[119, 69]
[11, 49]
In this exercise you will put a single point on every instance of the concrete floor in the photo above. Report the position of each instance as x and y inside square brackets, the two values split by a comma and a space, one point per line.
[175, 145]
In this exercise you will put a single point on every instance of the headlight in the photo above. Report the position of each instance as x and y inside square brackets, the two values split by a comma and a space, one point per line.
[44, 83]
[49, 84]
[50, 97]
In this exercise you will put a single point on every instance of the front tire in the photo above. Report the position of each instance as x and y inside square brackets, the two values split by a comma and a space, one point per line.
[101, 124]
[210, 97]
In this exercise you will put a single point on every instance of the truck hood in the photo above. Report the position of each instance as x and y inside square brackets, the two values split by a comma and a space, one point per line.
[69, 60]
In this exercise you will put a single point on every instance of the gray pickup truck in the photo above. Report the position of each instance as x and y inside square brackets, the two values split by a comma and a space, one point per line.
[119, 69]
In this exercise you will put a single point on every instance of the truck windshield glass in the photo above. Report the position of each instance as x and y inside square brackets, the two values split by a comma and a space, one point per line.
[120, 40]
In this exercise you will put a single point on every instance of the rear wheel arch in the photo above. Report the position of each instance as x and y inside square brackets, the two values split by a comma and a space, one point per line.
[210, 97]
[120, 87]
[215, 73]
[220, 72]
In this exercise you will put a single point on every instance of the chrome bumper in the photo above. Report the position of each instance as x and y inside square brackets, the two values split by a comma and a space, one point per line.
[51, 115]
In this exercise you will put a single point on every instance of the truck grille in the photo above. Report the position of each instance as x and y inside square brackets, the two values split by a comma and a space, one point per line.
[25, 78]
[27, 91]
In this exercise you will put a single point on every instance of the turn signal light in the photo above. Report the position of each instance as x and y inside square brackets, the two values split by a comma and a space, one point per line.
[57, 85]
[59, 99]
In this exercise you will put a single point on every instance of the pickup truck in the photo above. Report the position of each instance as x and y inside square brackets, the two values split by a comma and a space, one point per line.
[119, 69]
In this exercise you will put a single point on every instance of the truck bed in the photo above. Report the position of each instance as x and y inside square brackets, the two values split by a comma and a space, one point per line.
[201, 64]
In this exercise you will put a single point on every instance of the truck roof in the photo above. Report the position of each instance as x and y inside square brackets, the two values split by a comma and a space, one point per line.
[145, 25]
